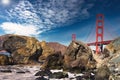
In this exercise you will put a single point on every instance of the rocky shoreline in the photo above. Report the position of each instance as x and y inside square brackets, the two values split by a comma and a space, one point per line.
[30, 59]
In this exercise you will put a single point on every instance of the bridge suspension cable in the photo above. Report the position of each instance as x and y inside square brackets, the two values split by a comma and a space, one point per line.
[91, 34]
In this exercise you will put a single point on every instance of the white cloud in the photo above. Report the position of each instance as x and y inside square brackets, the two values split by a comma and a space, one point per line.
[33, 19]
[14, 28]
[24, 12]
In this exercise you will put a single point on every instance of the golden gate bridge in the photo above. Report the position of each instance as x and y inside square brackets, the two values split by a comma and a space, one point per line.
[99, 34]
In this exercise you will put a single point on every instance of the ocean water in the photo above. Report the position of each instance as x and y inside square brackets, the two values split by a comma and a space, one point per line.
[29, 74]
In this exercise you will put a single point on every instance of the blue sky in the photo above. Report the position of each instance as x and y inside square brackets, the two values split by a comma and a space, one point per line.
[57, 20]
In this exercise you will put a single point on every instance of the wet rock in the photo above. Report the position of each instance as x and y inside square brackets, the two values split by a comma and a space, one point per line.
[59, 75]
[102, 73]
[41, 78]
[45, 72]
[78, 57]
[78, 78]
[4, 59]
[21, 72]
[53, 61]
[6, 71]
[22, 48]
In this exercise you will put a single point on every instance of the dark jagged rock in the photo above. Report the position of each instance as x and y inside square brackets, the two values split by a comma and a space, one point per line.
[59, 75]
[20, 72]
[45, 72]
[23, 49]
[78, 57]
[6, 71]
[78, 78]
[41, 78]
[53, 61]
[102, 73]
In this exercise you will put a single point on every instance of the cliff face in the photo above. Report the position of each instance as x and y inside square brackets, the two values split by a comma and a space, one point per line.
[57, 47]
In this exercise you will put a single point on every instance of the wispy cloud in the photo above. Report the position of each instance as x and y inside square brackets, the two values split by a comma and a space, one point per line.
[44, 15]
[62, 11]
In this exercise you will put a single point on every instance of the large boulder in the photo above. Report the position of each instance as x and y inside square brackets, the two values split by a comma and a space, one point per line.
[23, 49]
[46, 51]
[4, 59]
[78, 57]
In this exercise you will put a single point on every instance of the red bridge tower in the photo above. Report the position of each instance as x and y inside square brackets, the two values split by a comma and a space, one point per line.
[73, 37]
[99, 32]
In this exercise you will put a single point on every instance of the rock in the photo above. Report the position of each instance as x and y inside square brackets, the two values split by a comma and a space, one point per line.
[23, 49]
[6, 71]
[78, 57]
[100, 60]
[2, 39]
[21, 72]
[53, 61]
[59, 75]
[11, 62]
[41, 78]
[78, 78]
[102, 73]
[4, 59]
[57, 47]
[113, 47]
[46, 51]
[114, 77]
[45, 72]
[112, 51]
